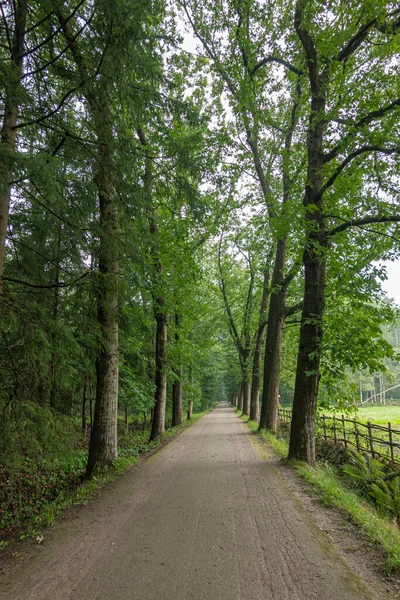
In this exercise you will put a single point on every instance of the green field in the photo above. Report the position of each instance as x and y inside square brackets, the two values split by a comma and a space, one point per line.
[380, 414]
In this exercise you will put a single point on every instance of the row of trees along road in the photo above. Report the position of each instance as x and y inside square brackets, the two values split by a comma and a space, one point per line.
[177, 218]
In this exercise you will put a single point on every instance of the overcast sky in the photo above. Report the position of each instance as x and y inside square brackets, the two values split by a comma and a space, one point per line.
[392, 285]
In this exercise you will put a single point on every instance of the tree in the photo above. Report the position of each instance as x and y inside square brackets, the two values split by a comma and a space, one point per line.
[345, 138]
[16, 47]
[98, 94]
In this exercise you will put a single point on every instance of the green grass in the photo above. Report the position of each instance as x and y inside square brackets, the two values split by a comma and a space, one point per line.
[378, 529]
[380, 414]
[334, 494]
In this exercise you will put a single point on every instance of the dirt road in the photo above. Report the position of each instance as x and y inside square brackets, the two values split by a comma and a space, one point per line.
[206, 517]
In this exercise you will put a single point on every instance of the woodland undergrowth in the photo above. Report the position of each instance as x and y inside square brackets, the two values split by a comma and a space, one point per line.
[38, 480]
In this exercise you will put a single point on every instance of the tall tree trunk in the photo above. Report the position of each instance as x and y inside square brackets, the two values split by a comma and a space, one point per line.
[273, 342]
[255, 378]
[126, 419]
[277, 307]
[91, 405]
[56, 302]
[84, 404]
[158, 424]
[240, 397]
[255, 381]
[243, 341]
[158, 421]
[190, 411]
[103, 439]
[177, 399]
[8, 129]
[246, 397]
[302, 437]
[235, 397]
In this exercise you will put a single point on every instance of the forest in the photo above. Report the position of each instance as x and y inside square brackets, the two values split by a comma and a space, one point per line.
[196, 203]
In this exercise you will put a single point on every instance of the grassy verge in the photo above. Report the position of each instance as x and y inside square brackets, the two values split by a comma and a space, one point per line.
[36, 491]
[332, 492]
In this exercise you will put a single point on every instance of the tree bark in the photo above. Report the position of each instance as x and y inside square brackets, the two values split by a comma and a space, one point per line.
[190, 411]
[84, 405]
[55, 309]
[246, 397]
[240, 397]
[243, 341]
[177, 398]
[273, 342]
[103, 439]
[302, 437]
[8, 130]
[255, 380]
[126, 419]
[158, 421]
[158, 424]
[235, 397]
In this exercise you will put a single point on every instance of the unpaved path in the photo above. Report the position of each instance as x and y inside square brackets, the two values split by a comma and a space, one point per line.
[206, 517]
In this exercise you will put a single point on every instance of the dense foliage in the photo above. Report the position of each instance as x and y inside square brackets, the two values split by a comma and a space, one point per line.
[186, 188]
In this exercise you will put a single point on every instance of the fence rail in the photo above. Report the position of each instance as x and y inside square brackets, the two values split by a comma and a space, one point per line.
[379, 441]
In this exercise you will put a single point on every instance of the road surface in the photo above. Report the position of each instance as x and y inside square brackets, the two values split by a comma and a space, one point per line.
[205, 518]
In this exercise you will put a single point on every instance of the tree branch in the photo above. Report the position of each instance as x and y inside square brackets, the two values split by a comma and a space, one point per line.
[49, 286]
[6, 28]
[51, 113]
[355, 42]
[366, 120]
[352, 156]
[56, 32]
[309, 47]
[63, 51]
[360, 222]
[275, 59]
[291, 310]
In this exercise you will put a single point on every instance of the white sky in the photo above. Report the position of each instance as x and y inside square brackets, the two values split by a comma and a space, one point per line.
[392, 285]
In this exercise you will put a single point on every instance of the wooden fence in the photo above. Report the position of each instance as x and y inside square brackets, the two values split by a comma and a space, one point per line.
[377, 440]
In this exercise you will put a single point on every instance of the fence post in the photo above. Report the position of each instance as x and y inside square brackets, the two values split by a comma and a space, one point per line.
[334, 430]
[344, 432]
[371, 442]
[324, 426]
[391, 441]
[357, 438]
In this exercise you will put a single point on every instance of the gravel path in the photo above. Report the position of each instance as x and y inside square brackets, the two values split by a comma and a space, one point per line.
[206, 517]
